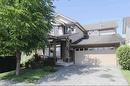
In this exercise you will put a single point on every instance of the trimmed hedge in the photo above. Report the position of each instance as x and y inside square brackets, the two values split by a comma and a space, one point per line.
[123, 54]
[7, 63]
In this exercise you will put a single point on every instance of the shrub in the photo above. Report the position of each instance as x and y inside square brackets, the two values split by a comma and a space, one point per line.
[38, 62]
[49, 61]
[123, 54]
[34, 62]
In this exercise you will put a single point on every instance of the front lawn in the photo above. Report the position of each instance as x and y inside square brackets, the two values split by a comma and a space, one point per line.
[27, 75]
[126, 74]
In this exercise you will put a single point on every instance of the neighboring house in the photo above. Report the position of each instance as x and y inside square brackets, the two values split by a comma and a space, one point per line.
[90, 44]
[126, 29]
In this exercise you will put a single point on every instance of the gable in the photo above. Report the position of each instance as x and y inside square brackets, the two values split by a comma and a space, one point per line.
[67, 22]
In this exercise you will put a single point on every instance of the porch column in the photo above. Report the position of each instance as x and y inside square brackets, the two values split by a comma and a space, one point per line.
[54, 49]
[49, 49]
[67, 56]
[43, 52]
[63, 50]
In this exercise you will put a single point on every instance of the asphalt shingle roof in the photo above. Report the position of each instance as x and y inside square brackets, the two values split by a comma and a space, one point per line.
[104, 39]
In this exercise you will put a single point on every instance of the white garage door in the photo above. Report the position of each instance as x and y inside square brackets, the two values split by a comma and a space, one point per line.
[102, 57]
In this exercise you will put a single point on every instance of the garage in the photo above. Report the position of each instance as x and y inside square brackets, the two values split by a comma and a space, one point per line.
[97, 50]
[103, 56]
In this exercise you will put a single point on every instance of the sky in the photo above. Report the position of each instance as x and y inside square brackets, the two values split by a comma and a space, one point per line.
[93, 11]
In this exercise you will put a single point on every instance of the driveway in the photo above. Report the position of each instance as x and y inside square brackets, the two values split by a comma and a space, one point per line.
[78, 75]
[85, 75]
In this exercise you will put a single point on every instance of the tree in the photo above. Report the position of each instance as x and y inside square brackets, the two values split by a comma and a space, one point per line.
[24, 26]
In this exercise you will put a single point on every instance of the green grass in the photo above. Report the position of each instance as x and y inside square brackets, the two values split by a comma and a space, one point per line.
[126, 74]
[27, 75]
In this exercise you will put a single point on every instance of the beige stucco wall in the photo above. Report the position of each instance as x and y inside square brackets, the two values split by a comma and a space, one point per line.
[99, 58]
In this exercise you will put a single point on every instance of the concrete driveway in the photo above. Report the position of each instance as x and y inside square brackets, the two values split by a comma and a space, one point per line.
[85, 75]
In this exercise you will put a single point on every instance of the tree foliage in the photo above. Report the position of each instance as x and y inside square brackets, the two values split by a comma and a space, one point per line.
[123, 54]
[24, 24]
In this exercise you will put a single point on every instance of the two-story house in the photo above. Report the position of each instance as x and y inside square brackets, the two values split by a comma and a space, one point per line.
[90, 44]
[99, 48]
[126, 29]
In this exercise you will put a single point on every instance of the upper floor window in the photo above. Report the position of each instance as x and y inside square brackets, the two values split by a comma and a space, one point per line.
[56, 31]
[69, 30]
[108, 32]
[101, 32]
[60, 30]
[93, 32]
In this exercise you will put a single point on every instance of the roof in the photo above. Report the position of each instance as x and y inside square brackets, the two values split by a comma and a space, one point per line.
[126, 23]
[98, 40]
[102, 25]
[63, 20]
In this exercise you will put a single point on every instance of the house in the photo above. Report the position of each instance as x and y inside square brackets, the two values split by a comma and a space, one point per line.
[65, 31]
[100, 47]
[89, 44]
[126, 29]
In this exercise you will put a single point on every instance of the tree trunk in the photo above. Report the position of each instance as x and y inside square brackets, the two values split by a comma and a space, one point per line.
[18, 58]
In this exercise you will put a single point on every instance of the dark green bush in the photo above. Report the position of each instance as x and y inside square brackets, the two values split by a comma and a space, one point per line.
[38, 62]
[49, 61]
[35, 62]
[123, 54]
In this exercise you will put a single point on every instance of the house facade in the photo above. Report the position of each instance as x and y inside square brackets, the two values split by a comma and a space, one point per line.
[100, 47]
[65, 31]
[126, 29]
[89, 44]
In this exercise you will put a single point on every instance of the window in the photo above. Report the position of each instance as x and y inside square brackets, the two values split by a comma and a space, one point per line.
[85, 49]
[72, 29]
[68, 30]
[81, 49]
[95, 49]
[90, 49]
[107, 32]
[77, 49]
[112, 48]
[93, 32]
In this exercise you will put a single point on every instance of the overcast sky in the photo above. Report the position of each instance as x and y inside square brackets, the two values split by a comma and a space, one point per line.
[92, 11]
